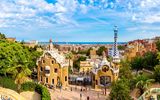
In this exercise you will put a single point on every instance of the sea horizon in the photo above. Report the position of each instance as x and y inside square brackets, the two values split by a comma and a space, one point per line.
[80, 43]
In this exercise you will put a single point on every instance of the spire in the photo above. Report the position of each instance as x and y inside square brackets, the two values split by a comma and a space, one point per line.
[50, 45]
[50, 41]
[116, 58]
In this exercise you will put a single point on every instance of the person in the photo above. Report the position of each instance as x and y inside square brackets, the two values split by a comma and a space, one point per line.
[87, 97]
[80, 96]
[60, 88]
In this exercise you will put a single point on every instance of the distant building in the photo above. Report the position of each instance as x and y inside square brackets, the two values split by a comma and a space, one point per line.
[53, 67]
[139, 48]
[11, 39]
[31, 44]
[85, 67]
[93, 54]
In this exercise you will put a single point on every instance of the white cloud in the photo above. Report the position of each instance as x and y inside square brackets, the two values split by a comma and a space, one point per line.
[27, 12]
[38, 12]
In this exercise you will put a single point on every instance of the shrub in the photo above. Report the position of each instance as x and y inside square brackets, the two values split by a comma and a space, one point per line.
[28, 86]
[42, 90]
[8, 83]
[45, 95]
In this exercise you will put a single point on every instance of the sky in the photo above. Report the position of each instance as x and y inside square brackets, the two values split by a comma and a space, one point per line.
[79, 20]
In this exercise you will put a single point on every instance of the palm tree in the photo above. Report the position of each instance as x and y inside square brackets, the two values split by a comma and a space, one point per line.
[69, 56]
[21, 76]
[20, 73]
[143, 83]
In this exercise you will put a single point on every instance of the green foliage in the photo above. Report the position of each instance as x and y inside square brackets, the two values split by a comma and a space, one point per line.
[100, 50]
[17, 61]
[158, 45]
[142, 83]
[8, 83]
[82, 52]
[125, 70]
[157, 73]
[28, 86]
[2, 36]
[45, 95]
[120, 90]
[13, 55]
[88, 51]
[147, 61]
[42, 90]
[150, 60]
[121, 47]
[76, 63]
[137, 63]
[158, 97]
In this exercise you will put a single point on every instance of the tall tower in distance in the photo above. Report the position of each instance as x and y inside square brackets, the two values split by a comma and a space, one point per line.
[115, 51]
[50, 48]
[115, 41]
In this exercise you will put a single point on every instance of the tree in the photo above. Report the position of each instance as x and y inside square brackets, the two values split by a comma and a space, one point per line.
[137, 63]
[69, 56]
[88, 51]
[121, 47]
[142, 83]
[2, 36]
[20, 77]
[76, 63]
[157, 73]
[15, 54]
[150, 60]
[100, 50]
[125, 70]
[120, 90]
[158, 45]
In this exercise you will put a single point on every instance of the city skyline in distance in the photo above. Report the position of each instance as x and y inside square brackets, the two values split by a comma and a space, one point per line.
[80, 20]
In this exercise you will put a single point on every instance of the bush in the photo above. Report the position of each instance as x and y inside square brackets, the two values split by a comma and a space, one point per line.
[28, 86]
[8, 83]
[45, 95]
[42, 90]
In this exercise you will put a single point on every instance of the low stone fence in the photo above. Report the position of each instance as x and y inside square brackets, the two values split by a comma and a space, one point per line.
[7, 94]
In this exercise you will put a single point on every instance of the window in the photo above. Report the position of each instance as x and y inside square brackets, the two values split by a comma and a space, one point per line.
[41, 68]
[65, 78]
[43, 61]
[52, 81]
[104, 80]
[41, 78]
[46, 79]
[47, 71]
[55, 70]
[96, 82]
[52, 61]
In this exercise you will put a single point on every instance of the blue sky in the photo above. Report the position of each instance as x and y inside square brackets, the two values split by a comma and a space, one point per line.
[79, 20]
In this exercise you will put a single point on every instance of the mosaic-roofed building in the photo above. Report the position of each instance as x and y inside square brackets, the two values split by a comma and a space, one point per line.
[53, 67]
[105, 72]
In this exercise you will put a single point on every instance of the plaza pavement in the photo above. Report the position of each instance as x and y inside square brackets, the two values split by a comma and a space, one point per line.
[67, 94]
